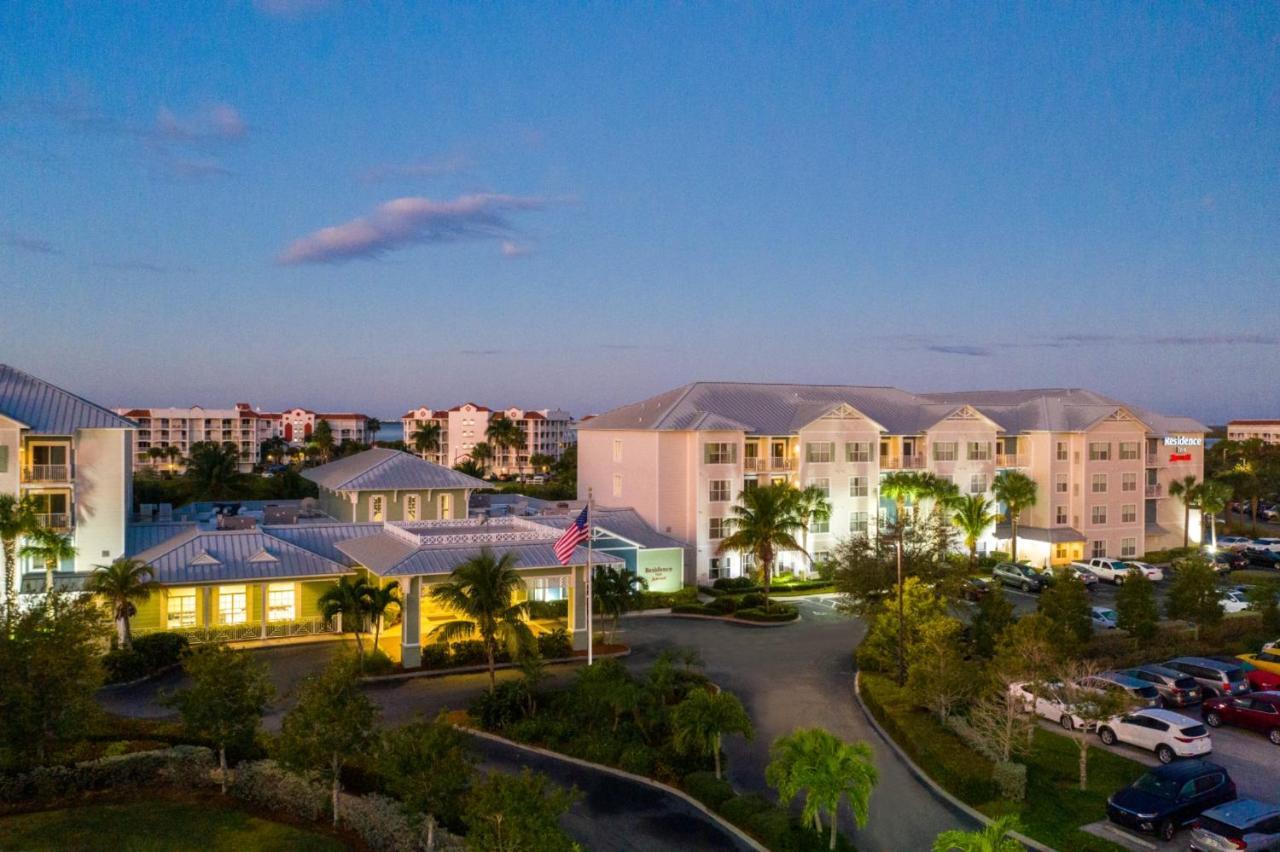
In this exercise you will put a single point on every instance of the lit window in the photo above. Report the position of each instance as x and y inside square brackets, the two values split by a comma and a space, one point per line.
[1098, 484]
[549, 589]
[819, 452]
[857, 486]
[280, 602]
[1099, 451]
[181, 608]
[617, 449]
[1098, 515]
[446, 506]
[857, 451]
[719, 491]
[411, 507]
[1129, 513]
[1128, 547]
[945, 451]
[375, 507]
[233, 605]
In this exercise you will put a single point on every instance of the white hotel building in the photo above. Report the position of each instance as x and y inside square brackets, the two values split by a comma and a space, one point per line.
[1267, 431]
[1102, 466]
[547, 432]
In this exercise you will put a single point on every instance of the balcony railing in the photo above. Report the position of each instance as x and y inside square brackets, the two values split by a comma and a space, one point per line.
[782, 463]
[217, 633]
[47, 473]
[1012, 460]
[902, 462]
[54, 520]
[1155, 490]
[755, 464]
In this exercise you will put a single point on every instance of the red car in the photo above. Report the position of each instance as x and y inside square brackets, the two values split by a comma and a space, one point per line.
[1258, 711]
[1259, 680]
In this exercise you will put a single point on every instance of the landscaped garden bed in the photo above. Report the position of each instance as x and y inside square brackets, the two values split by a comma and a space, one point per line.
[747, 608]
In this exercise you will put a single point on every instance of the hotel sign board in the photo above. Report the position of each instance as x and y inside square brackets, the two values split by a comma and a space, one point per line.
[1180, 445]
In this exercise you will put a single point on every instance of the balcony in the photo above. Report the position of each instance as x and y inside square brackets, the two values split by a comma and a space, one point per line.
[783, 463]
[1155, 490]
[55, 521]
[902, 462]
[1012, 460]
[46, 473]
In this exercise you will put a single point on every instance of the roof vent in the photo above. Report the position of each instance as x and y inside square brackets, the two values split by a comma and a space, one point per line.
[263, 556]
[205, 558]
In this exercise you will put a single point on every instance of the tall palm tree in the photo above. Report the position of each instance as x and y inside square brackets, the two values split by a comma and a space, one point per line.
[482, 455]
[505, 434]
[380, 600]
[349, 598]
[1215, 496]
[994, 838]
[764, 522]
[157, 453]
[1017, 492]
[50, 549]
[1187, 490]
[901, 487]
[700, 721]
[124, 584]
[972, 514]
[470, 467]
[17, 518]
[322, 440]
[826, 770]
[616, 591]
[426, 438]
[482, 591]
[373, 426]
[814, 507]
[213, 468]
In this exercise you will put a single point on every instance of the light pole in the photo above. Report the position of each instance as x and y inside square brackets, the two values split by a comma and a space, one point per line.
[902, 622]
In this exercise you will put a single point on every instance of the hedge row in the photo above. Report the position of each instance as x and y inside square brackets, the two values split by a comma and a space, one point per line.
[745, 585]
[722, 607]
[441, 655]
[664, 600]
[148, 655]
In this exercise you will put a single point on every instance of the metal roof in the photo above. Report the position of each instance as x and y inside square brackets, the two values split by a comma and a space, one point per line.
[1051, 535]
[46, 409]
[140, 537]
[224, 556]
[322, 539]
[388, 555]
[622, 523]
[382, 469]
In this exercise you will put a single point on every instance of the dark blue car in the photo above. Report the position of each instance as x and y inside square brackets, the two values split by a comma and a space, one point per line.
[1170, 797]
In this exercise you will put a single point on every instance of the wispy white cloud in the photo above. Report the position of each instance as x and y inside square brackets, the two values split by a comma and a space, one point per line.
[216, 122]
[510, 248]
[415, 169]
[23, 242]
[1076, 341]
[410, 221]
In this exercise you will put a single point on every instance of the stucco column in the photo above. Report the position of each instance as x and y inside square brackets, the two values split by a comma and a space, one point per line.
[578, 608]
[411, 622]
[206, 605]
[262, 590]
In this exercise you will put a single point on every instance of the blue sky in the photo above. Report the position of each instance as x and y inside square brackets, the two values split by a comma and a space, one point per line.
[372, 206]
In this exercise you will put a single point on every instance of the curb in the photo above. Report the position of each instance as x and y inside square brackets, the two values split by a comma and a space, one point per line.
[374, 679]
[112, 687]
[750, 841]
[728, 619]
[934, 785]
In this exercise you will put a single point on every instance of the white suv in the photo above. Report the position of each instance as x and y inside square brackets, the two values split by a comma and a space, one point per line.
[1233, 542]
[1166, 733]
[1046, 701]
[1265, 544]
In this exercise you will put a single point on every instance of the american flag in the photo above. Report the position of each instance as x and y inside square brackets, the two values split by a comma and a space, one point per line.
[575, 535]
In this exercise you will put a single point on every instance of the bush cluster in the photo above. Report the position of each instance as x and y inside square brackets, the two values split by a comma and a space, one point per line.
[773, 825]
[553, 645]
[723, 606]
[776, 612]
[149, 654]
[177, 766]
[708, 789]
[380, 821]
[665, 600]
[266, 784]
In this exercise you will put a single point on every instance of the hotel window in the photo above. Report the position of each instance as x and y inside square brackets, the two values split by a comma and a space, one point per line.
[857, 451]
[233, 605]
[1129, 513]
[446, 506]
[1062, 451]
[1128, 547]
[1061, 516]
[944, 451]
[819, 452]
[719, 491]
[1060, 552]
[1128, 482]
[1099, 451]
[720, 453]
[978, 451]
[858, 523]
[715, 529]
[1098, 516]
[1128, 450]
[820, 556]
[822, 484]
[978, 483]
[820, 525]
[549, 589]
[617, 449]
[181, 608]
[617, 485]
[857, 486]
[411, 507]
[375, 507]
[1098, 483]
[1060, 483]
[1098, 549]
[280, 602]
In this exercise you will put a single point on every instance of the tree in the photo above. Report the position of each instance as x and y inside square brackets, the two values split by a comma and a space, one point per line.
[762, 523]
[895, 632]
[1028, 650]
[866, 568]
[482, 591]
[1264, 599]
[123, 584]
[332, 724]
[617, 591]
[826, 770]
[272, 449]
[428, 765]
[1017, 492]
[322, 440]
[1001, 725]
[17, 518]
[814, 507]
[1215, 497]
[1193, 594]
[700, 721]
[348, 598]
[1093, 707]
[381, 599]
[994, 615]
[972, 515]
[212, 469]
[426, 438]
[1188, 493]
[506, 435]
[373, 426]
[482, 455]
[541, 462]
[939, 676]
[995, 837]
[1136, 610]
[470, 467]
[902, 488]
[50, 549]
[518, 813]
[1066, 604]
[229, 692]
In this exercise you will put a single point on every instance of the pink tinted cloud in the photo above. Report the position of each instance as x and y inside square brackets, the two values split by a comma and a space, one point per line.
[217, 122]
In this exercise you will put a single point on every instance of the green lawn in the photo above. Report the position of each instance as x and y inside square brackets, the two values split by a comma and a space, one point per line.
[157, 825]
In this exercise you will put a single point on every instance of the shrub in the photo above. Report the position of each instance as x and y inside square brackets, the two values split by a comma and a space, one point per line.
[470, 652]
[435, 655]
[723, 605]
[740, 584]
[176, 766]
[711, 590]
[554, 645]
[500, 708]
[739, 809]
[752, 600]
[268, 785]
[380, 821]
[376, 662]
[693, 609]
[1011, 778]
[708, 789]
[778, 612]
[149, 655]
[637, 758]
[663, 600]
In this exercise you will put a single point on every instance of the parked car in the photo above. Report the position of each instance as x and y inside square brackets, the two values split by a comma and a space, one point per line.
[1215, 677]
[1140, 692]
[1229, 560]
[1260, 680]
[1170, 735]
[1021, 576]
[1266, 660]
[1272, 544]
[1111, 570]
[1176, 689]
[1103, 618]
[1270, 513]
[1233, 601]
[1047, 702]
[975, 589]
[1242, 824]
[1258, 711]
[1154, 573]
[1167, 798]
[1233, 542]
[1262, 557]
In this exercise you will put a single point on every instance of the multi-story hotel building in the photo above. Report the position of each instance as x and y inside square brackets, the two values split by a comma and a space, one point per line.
[547, 432]
[1267, 431]
[1102, 467]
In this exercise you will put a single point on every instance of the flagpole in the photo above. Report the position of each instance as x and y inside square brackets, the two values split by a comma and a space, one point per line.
[590, 620]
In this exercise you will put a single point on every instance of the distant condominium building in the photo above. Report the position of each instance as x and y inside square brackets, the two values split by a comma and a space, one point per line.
[1267, 431]
[546, 432]
[1102, 467]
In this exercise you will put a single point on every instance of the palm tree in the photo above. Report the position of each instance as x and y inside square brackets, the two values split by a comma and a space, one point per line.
[763, 522]
[380, 599]
[157, 453]
[1215, 496]
[272, 448]
[373, 426]
[482, 455]
[1017, 492]
[482, 591]
[814, 507]
[50, 549]
[470, 467]
[322, 440]
[994, 838]
[902, 488]
[348, 598]
[699, 722]
[426, 438]
[213, 468]
[826, 770]
[173, 454]
[124, 584]
[1187, 491]
[972, 514]
[616, 591]
[17, 518]
[506, 435]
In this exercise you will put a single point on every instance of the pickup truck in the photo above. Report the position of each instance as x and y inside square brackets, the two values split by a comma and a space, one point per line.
[1112, 570]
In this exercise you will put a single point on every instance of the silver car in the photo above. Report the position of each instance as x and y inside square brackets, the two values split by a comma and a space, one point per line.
[1242, 824]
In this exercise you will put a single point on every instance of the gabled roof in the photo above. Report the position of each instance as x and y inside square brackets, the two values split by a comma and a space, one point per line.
[622, 523]
[323, 538]
[382, 469]
[388, 555]
[46, 409]
[223, 556]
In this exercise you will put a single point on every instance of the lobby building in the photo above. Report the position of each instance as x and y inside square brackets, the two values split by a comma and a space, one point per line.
[546, 431]
[1102, 466]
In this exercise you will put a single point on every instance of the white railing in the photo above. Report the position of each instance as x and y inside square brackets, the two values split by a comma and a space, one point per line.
[220, 633]
[1155, 491]
[1011, 460]
[506, 530]
[47, 473]
[55, 520]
